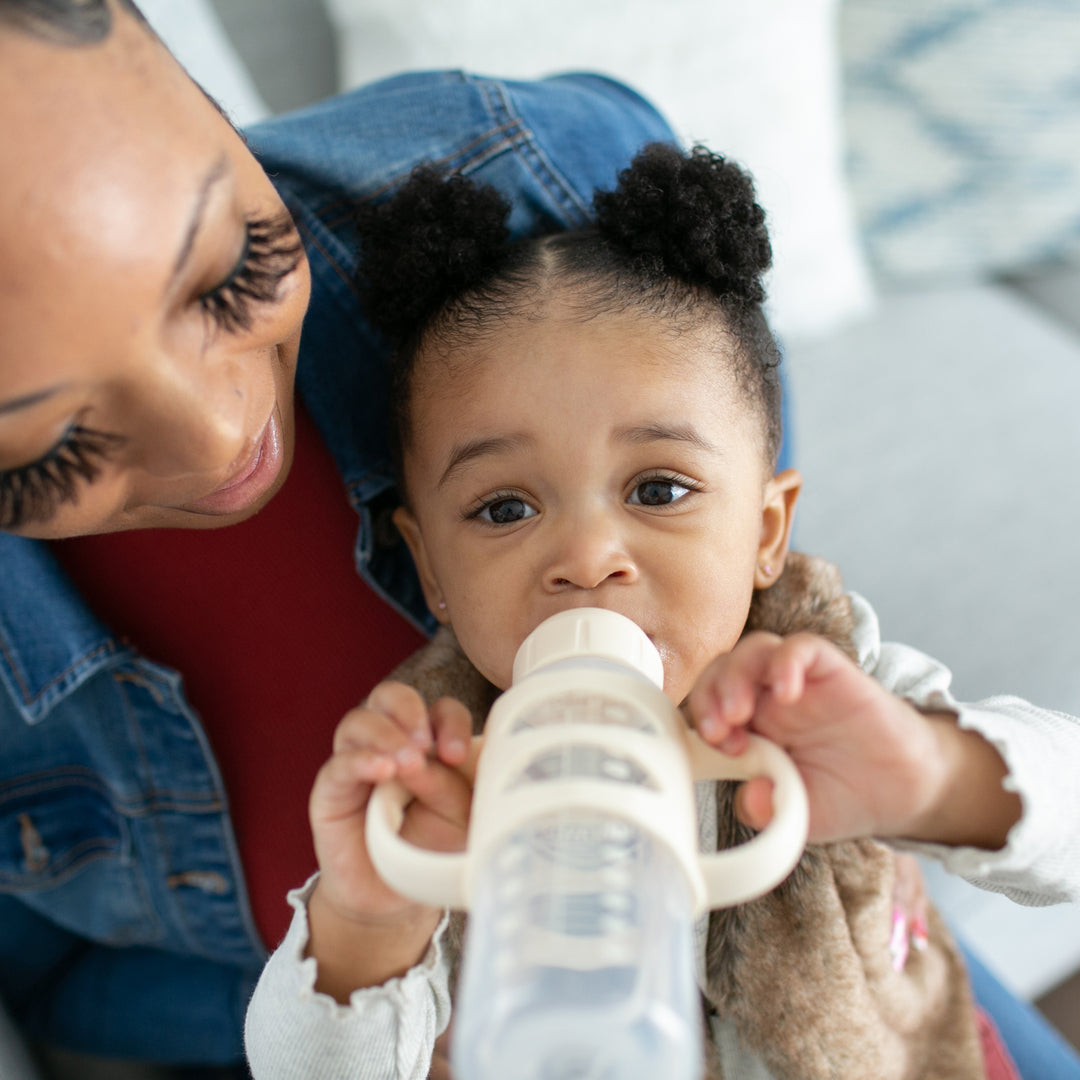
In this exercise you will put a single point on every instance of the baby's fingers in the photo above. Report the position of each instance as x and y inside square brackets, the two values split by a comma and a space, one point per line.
[762, 671]
[439, 812]
[343, 785]
[407, 709]
[725, 697]
[753, 802]
[451, 725]
[799, 658]
[394, 720]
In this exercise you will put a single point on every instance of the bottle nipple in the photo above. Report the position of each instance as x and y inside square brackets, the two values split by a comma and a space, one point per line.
[589, 632]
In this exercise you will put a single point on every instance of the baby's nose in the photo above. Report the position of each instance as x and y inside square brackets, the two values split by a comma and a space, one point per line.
[589, 553]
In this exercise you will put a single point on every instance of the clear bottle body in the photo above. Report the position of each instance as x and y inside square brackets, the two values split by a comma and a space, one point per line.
[582, 871]
[579, 959]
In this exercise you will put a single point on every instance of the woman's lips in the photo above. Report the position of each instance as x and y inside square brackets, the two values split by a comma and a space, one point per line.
[252, 480]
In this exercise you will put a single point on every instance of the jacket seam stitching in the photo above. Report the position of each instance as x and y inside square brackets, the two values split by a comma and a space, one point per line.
[536, 160]
[506, 135]
[154, 799]
[32, 698]
[508, 144]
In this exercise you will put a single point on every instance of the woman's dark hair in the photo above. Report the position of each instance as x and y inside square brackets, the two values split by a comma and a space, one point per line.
[63, 22]
[77, 22]
[680, 238]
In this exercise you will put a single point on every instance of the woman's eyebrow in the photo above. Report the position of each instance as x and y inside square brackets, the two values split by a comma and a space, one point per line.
[217, 172]
[24, 402]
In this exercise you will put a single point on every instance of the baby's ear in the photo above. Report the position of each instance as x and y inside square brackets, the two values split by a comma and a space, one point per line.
[409, 527]
[777, 515]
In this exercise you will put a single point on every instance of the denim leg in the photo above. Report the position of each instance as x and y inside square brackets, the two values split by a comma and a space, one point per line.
[138, 1003]
[145, 1005]
[33, 950]
[1035, 1045]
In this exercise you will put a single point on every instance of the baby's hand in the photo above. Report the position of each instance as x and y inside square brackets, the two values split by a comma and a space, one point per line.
[871, 763]
[393, 736]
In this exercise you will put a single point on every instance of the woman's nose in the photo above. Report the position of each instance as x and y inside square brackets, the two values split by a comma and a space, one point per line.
[200, 419]
[589, 552]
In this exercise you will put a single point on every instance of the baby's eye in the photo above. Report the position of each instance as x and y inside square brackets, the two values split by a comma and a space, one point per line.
[658, 491]
[505, 511]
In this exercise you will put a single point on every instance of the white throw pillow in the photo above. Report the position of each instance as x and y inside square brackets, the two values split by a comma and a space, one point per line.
[757, 82]
[197, 39]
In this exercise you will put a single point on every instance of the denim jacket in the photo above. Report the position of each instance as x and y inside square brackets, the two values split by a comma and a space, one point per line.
[124, 922]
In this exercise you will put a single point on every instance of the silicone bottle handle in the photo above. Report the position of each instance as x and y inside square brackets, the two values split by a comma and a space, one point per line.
[432, 877]
[750, 870]
[731, 877]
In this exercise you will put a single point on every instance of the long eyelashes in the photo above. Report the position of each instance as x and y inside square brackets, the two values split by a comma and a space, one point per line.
[272, 251]
[501, 508]
[33, 492]
[655, 491]
[662, 490]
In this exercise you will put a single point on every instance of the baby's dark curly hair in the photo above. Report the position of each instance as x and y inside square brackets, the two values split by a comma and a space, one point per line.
[680, 238]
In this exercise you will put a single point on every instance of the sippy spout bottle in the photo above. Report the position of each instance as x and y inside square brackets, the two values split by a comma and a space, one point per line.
[581, 872]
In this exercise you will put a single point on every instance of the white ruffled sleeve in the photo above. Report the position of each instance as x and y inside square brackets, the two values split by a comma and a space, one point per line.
[386, 1032]
[1040, 862]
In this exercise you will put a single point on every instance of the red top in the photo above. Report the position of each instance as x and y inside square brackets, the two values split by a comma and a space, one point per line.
[277, 638]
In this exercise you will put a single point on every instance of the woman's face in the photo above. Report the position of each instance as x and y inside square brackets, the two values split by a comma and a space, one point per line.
[152, 289]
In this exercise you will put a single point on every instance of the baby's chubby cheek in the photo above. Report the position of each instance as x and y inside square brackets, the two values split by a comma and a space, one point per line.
[491, 654]
[683, 670]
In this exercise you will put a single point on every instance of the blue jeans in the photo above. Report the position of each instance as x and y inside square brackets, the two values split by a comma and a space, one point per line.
[1039, 1051]
[137, 1002]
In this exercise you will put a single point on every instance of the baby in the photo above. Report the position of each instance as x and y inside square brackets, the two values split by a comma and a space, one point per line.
[593, 419]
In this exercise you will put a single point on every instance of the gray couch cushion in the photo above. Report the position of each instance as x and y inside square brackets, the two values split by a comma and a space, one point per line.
[939, 443]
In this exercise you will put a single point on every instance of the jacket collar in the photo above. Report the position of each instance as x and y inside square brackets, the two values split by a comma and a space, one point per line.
[50, 643]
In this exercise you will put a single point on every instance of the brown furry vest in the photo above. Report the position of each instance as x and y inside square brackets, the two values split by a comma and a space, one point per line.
[804, 973]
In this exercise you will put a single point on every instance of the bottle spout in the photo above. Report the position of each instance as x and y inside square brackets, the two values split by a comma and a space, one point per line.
[589, 632]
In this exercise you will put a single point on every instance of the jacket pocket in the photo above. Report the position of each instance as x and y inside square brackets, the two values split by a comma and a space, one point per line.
[65, 851]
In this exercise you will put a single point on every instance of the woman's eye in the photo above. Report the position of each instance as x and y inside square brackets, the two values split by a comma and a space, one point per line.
[658, 492]
[505, 511]
[31, 494]
[272, 251]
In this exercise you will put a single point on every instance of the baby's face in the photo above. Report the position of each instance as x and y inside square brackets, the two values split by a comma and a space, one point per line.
[606, 463]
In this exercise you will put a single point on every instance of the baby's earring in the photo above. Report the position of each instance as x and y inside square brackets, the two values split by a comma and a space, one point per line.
[442, 605]
[766, 570]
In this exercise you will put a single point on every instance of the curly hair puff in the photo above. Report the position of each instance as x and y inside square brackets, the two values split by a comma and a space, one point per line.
[680, 238]
[691, 217]
[435, 240]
